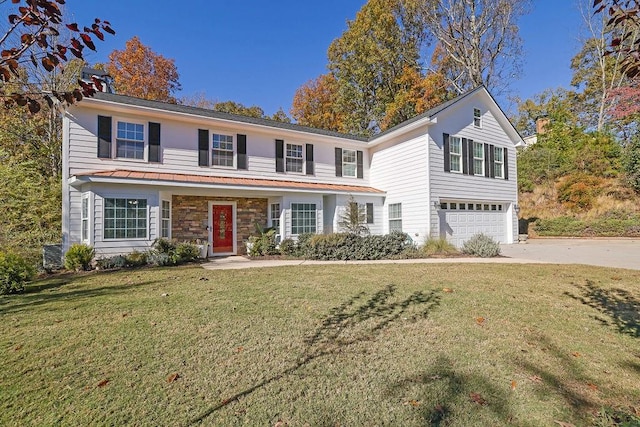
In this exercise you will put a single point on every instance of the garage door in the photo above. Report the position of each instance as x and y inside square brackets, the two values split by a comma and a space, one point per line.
[461, 220]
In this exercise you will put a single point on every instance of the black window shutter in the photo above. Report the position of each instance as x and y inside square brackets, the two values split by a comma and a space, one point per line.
[369, 213]
[203, 147]
[338, 161]
[506, 163]
[154, 142]
[492, 158]
[309, 158]
[487, 163]
[104, 137]
[465, 158]
[279, 155]
[242, 151]
[472, 166]
[447, 154]
[359, 164]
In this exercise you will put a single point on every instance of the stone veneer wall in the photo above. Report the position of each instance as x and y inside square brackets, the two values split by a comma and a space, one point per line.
[190, 216]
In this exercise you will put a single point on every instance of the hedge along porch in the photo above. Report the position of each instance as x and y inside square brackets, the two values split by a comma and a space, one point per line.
[225, 222]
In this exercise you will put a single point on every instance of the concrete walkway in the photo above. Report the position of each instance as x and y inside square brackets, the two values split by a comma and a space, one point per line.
[622, 253]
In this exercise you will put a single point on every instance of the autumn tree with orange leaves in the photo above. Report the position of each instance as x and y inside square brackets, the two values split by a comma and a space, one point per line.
[139, 71]
[314, 104]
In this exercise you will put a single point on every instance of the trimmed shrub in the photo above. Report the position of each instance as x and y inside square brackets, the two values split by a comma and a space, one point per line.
[347, 246]
[79, 257]
[288, 247]
[264, 243]
[481, 245]
[15, 271]
[136, 259]
[117, 261]
[438, 247]
[159, 258]
[164, 246]
[612, 224]
[187, 252]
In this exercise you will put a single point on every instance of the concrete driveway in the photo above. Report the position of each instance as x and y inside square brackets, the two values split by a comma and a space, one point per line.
[623, 253]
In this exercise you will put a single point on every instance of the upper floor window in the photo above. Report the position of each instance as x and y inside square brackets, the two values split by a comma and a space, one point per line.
[349, 163]
[222, 153]
[478, 158]
[498, 162]
[477, 118]
[294, 158]
[455, 154]
[130, 140]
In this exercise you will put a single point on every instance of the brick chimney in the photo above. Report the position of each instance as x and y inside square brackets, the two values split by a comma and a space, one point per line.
[541, 125]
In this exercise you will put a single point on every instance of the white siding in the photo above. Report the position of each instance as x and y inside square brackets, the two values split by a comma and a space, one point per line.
[179, 150]
[458, 121]
[401, 169]
[378, 209]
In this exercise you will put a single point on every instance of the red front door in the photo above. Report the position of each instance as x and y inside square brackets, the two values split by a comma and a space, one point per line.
[222, 229]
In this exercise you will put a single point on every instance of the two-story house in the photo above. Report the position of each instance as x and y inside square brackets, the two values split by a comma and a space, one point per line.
[135, 170]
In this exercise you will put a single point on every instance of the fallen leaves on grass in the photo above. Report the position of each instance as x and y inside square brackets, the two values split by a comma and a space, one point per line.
[239, 349]
[592, 386]
[413, 403]
[535, 378]
[576, 354]
[18, 347]
[447, 290]
[563, 424]
[173, 377]
[514, 384]
[103, 382]
[480, 321]
[477, 398]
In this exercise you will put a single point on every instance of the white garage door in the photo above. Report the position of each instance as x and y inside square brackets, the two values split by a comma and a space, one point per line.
[460, 221]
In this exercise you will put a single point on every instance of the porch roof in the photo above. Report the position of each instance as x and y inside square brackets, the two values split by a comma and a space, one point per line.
[161, 178]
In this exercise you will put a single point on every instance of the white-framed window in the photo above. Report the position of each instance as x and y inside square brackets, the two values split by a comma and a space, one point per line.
[125, 218]
[84, 218]
[222, 152]
[303, 218]
[455, 154]
[478, 158]
[369, 211]
[498, 162]
[395, 217]
[130, 140]
[349, 163]
[274, 213]
[165, 219]
[477, 117]
[294, 158]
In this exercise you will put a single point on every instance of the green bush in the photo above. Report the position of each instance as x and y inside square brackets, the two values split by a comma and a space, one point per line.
[288, 247]
[578, 191]
[15, 271]
[612, 224]
[264, 243]
[79, 257]
[347, 246]
[136, 259]
[438, 247]
[187, 252]
[117, 261]
[164, 246]
[481, 245]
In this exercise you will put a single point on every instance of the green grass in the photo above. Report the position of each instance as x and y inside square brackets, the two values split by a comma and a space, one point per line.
[397, 345]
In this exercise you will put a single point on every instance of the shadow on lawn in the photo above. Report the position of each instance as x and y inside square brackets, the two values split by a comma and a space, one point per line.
[356, 320]
[621, 308]
[51, 290]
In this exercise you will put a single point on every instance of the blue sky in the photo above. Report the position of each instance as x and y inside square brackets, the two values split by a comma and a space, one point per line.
[258, 52]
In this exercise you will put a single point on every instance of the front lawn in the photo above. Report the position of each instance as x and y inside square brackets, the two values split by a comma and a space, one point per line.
[397, 345]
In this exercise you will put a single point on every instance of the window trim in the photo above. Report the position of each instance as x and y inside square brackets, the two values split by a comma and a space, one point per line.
[475, 158]
[477, 118]
[104, 218]
[394, 218]
[234, 150]
[163, 219]
[271, 216]
[315, 217]
[287, 157]
[354, 163]
[458, 155]
[85, 218]
[145, 139]
[496, 162]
